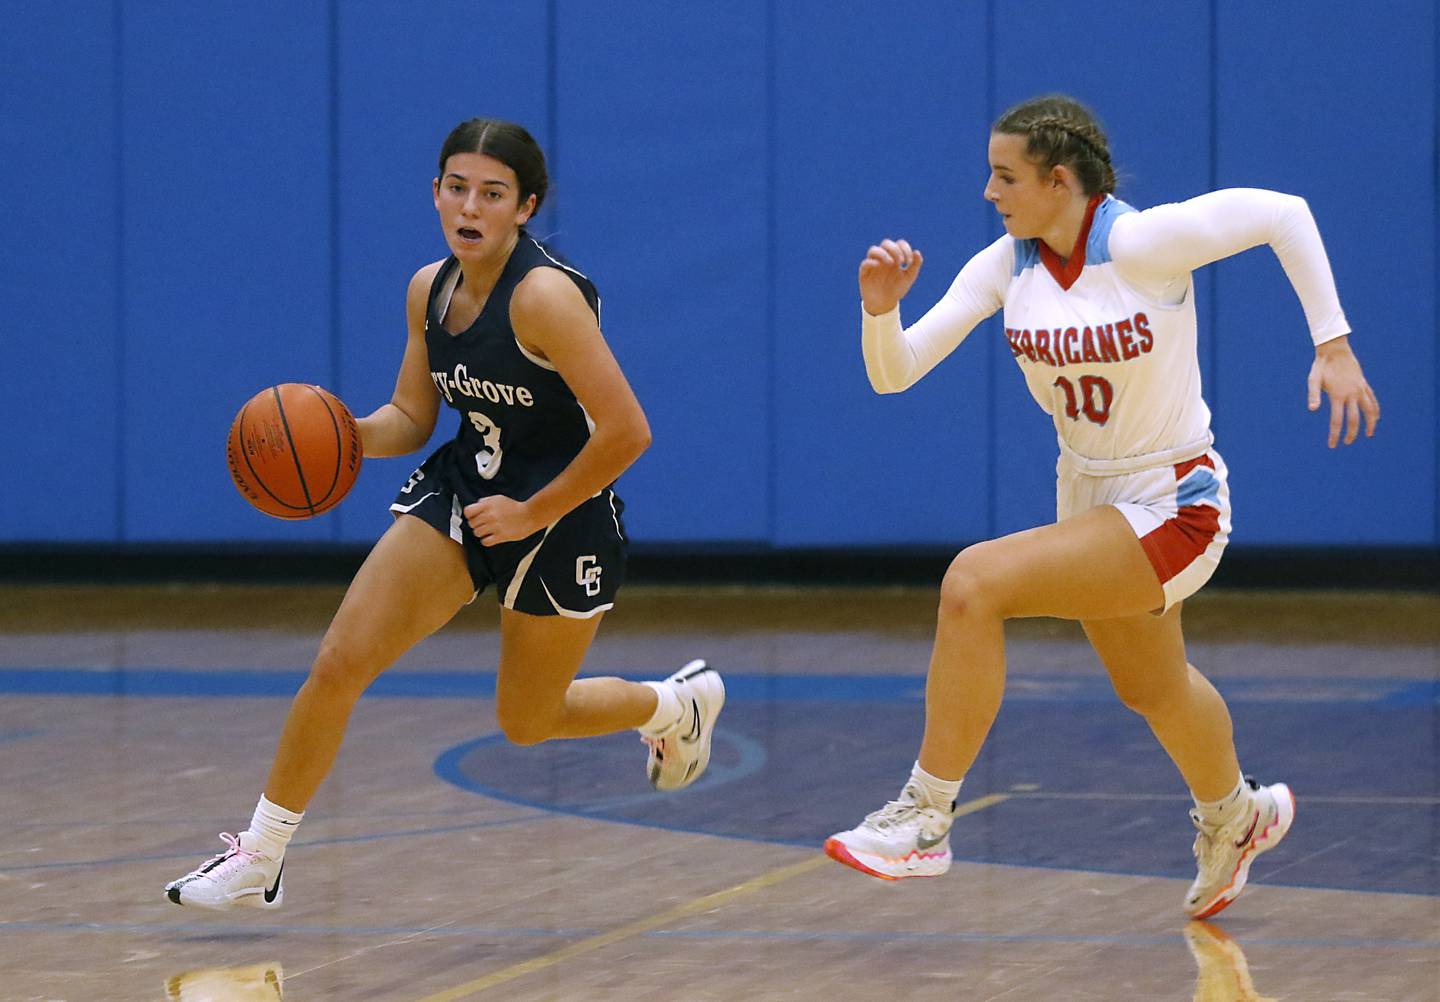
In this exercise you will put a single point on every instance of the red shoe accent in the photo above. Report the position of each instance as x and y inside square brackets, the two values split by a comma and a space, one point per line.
[1215, 909]
[1253, 850]
[1225, 896]
[840, 853]
[1272, 826]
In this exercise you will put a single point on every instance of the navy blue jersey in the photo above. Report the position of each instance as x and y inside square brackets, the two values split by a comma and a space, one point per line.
[520, 424]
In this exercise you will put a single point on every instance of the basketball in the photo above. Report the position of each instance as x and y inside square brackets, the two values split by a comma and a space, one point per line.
[294, 450]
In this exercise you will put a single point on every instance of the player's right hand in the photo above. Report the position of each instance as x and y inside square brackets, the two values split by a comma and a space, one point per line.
[886, 274]
[1336, 372]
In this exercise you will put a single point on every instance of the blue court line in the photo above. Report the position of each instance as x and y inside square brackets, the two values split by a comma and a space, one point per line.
[448, 767]
[997, 937]
[336, 840]
[775, 935]
[220, 930]
[191, 821]
[250, 682]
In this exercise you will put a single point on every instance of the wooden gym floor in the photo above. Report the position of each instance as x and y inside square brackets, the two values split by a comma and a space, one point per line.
[439, 863]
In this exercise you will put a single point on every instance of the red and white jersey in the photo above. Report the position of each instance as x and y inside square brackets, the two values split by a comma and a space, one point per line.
[1107, 340]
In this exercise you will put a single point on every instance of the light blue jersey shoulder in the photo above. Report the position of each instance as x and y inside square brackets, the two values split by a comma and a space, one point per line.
[1097, 245]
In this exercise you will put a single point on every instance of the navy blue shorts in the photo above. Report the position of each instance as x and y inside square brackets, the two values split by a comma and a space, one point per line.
[572, 568]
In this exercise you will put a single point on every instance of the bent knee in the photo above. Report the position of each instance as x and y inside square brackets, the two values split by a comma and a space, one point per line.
[970, 588]
[1144, 700]
[340, 671]
[525, 728]
[1150, 697]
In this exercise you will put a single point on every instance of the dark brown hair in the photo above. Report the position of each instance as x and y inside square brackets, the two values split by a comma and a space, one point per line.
[507, 142]
[1061, 130]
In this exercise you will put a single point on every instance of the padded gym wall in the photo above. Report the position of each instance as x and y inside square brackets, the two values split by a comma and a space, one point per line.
[202, 201]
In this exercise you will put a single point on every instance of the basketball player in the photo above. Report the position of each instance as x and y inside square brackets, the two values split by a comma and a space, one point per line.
[1100, 315]
[522, 498]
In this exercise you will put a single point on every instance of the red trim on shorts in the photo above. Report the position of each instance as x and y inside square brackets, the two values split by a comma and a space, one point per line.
[1179, 540]
[1182, 470]
[1174, 545]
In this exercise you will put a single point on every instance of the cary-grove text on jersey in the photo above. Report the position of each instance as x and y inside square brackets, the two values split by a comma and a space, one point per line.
[460, 381]
[1115, 342]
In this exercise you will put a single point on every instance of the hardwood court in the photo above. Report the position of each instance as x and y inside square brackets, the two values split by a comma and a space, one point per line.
[439, 863]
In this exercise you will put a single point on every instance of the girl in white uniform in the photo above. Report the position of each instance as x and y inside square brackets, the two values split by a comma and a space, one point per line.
[1100, 315]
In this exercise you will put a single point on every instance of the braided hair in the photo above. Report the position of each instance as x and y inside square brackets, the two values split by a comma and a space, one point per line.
[1061, 130]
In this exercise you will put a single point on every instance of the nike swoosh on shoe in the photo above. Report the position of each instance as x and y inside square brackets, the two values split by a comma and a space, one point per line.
[275, 889]
[694, 734]
[1241, 842]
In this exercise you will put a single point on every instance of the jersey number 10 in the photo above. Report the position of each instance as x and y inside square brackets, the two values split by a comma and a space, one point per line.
[1093, 399]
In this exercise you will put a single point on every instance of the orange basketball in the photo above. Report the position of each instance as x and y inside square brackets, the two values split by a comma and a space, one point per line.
[294, 450]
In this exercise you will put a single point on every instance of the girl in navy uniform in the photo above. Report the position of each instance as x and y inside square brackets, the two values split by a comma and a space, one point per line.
[1099, 312]
[522, 498]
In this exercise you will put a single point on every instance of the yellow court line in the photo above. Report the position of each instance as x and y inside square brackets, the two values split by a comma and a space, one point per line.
[655, 921]
[980, 803]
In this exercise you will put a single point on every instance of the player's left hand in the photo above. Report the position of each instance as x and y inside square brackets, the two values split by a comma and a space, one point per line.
[1337, 372]
[499, 519]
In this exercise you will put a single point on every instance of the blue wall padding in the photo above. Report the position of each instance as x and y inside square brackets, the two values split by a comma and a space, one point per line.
[203, 201]
[225, 181]
[868, 144]
[1342, 113]
[60, 293]
[661, 181]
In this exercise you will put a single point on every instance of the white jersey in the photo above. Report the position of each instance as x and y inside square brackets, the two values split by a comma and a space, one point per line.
[1107, 340]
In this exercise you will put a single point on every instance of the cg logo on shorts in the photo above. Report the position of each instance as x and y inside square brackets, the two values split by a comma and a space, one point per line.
[587, 573]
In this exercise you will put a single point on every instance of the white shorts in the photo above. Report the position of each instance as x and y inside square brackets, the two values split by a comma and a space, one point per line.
[1180, 513]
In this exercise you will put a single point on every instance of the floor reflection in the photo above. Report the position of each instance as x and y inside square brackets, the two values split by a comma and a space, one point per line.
[1222, 974]
[252, 983]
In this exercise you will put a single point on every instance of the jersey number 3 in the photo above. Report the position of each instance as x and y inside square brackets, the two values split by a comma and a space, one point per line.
[1093, 400]
[487, 457]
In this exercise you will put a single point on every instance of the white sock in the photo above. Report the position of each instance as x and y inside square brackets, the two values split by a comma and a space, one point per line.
[669, 711]
[271, 827]
[1214, 813]
[939, 792]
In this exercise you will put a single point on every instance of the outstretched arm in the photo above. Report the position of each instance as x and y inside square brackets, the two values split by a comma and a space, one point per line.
[1160, 246]
[896, 357]
[1170, 241]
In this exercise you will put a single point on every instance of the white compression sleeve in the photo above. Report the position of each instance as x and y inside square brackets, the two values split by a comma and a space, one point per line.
[1160, 245]
[896, 357]
[889, 357]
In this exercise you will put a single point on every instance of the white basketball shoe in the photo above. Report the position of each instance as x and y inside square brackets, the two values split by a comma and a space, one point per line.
[241, 876]
[681, 755]
[908, 837]
[1224, 853]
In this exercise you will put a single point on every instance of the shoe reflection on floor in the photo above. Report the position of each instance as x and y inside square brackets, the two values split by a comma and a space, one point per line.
[1222, 973]
[253, 983]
